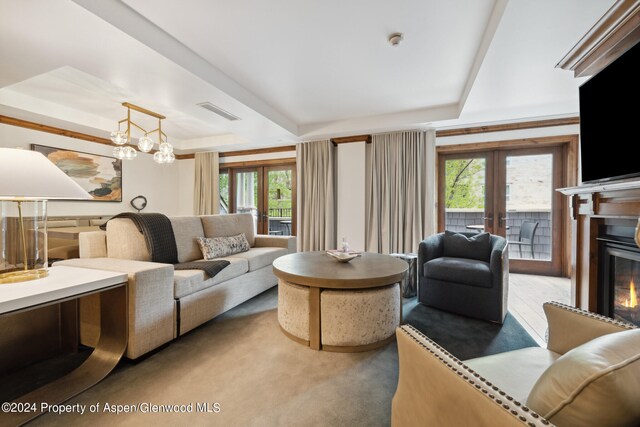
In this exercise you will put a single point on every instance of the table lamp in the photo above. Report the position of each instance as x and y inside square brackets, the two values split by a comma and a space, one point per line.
[27, 180]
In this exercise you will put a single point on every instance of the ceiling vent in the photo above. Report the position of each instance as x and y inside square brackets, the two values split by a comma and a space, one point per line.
[219, 111]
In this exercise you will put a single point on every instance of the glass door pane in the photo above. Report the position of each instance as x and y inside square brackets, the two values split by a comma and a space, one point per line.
[279, 201]
[224, 188]
[246, 183]
[464, 194]
[529, 195]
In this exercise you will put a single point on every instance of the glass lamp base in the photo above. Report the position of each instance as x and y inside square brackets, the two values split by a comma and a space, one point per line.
[23, 275]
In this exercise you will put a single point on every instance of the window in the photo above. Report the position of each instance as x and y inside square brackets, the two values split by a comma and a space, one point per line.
[267, 192]
[224, 187]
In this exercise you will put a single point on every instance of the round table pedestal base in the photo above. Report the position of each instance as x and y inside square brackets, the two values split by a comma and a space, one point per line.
[340, 320]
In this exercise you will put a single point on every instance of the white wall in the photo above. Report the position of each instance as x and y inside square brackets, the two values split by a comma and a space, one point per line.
[141, 176]
[351, 194]
[186, 184]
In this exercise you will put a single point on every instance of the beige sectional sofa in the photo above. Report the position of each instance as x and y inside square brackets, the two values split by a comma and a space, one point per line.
[163, 303]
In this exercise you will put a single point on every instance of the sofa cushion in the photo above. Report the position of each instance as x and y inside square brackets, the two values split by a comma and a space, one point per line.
[597, 383]
[260, 257]
[124, 241]
[229, 225]
[515, 372]
[216, 247]
[187, 282]
[459, 270]
[458, 245]
[186, 230]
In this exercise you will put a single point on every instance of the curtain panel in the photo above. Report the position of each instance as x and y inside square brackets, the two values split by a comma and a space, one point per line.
[206, 193]
[316, 174]
[400, 191]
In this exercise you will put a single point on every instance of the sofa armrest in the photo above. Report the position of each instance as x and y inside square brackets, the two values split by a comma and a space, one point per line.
[93, 244]
[435, 388]
[570, 327]
[287, 242]
[150, 303]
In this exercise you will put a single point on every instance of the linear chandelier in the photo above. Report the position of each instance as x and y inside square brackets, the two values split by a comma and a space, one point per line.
[145, 143]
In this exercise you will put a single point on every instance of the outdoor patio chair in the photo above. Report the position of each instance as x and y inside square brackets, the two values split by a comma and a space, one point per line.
[526, 237]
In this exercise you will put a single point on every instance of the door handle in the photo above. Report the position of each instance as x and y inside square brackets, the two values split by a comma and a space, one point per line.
[488, 218]
[502, 220]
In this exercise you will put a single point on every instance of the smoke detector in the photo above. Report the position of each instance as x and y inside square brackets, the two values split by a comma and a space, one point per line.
[395, 39]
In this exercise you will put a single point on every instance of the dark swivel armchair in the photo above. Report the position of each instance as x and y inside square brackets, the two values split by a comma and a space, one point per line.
[465, 273]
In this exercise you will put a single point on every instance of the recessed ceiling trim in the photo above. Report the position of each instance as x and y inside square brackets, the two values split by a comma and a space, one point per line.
[219, 111]
[128, 20]
[380, 123]
[487, 38]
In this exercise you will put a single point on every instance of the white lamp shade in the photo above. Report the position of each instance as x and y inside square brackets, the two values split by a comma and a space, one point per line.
[29, 175]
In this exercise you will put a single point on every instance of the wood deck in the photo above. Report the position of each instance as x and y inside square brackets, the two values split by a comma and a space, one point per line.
[528, 292]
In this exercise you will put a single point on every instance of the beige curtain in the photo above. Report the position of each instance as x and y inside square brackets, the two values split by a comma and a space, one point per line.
[400, 191]
[316, 174]
[206, 193]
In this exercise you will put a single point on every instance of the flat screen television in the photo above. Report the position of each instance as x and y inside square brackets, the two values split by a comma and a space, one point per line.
[609, 121]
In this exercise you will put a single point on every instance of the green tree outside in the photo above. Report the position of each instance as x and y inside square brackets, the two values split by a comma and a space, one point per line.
[464, 180]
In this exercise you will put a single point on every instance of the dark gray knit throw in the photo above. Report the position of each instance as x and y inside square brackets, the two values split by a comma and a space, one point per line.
[161, 242]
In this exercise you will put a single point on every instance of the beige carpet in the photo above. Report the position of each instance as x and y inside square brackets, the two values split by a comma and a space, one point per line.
[243, 362]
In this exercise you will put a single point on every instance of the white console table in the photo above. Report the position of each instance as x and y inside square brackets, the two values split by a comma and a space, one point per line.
[64, 284]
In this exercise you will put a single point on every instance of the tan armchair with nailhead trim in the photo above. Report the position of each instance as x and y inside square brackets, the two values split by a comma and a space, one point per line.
[589, 375]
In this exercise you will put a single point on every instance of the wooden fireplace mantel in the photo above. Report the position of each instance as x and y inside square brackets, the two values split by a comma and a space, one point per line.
[592, 207]
[615, 33]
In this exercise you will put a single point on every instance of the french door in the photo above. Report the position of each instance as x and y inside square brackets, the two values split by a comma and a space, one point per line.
[510, 193]
[266, 192]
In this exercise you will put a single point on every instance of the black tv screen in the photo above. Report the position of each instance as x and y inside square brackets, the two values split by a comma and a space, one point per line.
[609, 118]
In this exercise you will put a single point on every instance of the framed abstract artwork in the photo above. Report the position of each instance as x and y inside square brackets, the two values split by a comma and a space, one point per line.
[100, 176]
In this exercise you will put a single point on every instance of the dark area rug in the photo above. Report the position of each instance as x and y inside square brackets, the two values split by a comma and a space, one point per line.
[465, 337]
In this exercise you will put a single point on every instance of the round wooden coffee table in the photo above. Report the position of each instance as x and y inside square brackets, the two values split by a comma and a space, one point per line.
[334, 306]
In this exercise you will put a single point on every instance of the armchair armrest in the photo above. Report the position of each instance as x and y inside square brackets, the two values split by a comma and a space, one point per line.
[430, 248]
[150, 303]
[499, 257]
[499, 266]
[287, 242]
[570, 327]
[433, 386]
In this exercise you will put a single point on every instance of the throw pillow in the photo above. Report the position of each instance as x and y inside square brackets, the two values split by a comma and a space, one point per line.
[596, 384]
[458, 245]
[216, 247]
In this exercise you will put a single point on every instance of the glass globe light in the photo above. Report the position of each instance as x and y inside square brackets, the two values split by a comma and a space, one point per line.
[170, 158]
[165, 148]
[129, 153]
[160, 158]
[118, 153]
[119, 138]
[145, 144]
